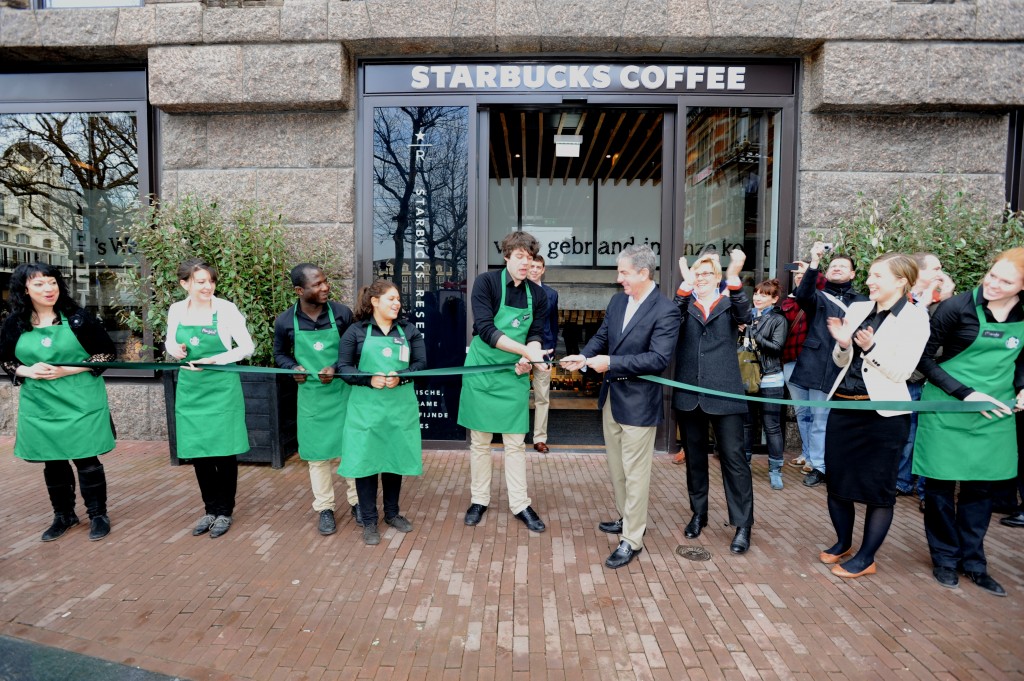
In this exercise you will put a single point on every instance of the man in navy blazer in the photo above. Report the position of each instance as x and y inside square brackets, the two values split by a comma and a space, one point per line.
[637, 337]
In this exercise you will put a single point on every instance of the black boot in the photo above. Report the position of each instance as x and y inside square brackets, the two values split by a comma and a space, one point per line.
[60, 485]
[93, 483]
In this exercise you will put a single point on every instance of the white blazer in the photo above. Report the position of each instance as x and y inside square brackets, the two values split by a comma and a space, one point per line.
[899, 344]
[230, 327]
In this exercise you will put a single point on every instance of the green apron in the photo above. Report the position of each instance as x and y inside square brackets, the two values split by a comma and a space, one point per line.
[209, 410]
[498, 401]
[321, 408]
[66, 418]
[967, 446]
[382, 427]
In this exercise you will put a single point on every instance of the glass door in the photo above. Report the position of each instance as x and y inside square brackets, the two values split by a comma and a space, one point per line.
[731, 185]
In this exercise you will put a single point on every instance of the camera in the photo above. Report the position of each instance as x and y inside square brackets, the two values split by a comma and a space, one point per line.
[828, 247]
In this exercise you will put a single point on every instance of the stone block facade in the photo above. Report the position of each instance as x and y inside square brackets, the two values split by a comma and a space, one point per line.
[256, 99]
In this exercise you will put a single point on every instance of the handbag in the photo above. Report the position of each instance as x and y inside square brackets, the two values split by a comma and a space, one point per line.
[750, 365]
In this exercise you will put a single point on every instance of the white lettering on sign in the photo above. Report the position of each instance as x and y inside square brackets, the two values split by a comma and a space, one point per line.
[576, 77]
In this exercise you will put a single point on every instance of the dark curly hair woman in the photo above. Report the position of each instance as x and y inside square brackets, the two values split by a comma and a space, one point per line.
[63, 415]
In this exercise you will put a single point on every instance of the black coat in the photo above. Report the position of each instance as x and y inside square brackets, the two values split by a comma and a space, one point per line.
[706, 353]
[644, 347]
[815, 369]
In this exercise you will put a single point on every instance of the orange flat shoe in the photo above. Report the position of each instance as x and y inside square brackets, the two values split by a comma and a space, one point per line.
[831, 558]
[838, 571]
[680, 457]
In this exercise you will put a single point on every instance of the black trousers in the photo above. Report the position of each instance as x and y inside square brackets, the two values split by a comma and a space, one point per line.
[366, 488]
[955, 525]
[739, 487]
[218, 482]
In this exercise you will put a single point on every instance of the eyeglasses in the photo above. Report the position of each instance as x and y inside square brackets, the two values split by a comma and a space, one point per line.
[703, 275]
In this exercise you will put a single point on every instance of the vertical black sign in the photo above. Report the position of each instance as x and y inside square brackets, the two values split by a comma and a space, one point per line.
[420, 218]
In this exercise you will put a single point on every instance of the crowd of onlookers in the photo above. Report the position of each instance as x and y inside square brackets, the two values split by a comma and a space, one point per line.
[827, 345]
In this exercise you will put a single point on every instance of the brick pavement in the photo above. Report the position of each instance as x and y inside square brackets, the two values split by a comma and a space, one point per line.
[273, 599]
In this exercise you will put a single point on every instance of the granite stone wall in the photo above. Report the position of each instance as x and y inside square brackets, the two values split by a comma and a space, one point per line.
[256, 97]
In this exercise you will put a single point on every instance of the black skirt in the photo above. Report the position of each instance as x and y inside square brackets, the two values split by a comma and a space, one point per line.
[862, 455]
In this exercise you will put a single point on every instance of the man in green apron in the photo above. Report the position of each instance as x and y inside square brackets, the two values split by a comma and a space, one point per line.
[306, 338]
[980, 334]
[508, 314]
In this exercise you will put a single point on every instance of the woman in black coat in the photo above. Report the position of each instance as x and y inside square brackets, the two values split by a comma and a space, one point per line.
[706, 357]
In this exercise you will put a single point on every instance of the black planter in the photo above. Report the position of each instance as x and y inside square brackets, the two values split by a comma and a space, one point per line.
[269, 417]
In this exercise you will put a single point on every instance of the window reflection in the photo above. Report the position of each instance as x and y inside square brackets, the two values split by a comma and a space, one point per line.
[68, 183]
[731, 180]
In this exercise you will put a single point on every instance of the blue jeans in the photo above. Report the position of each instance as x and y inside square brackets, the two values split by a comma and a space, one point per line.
[905, 481]
[803, 414]
[814, 444]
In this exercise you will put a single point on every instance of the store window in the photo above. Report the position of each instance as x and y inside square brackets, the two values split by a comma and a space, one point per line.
[732, 185]
[78, 173]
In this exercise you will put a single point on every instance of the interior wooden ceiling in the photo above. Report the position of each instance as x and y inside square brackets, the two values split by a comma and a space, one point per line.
[619, 145]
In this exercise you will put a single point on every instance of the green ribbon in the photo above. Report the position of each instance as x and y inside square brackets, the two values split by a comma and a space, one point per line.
[248, 369]
[862, 405]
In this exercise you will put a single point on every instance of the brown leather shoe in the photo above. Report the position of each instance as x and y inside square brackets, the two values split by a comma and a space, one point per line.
[838, 571]
[831, 558]
[541, 447]
[680, 457]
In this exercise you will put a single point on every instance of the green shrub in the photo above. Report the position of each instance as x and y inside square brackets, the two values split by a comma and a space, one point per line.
[246, 245]
[964, 233]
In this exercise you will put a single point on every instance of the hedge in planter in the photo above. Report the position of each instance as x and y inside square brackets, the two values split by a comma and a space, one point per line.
[247, 245]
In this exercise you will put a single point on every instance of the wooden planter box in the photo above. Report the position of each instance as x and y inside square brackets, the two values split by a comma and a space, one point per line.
[269, 417]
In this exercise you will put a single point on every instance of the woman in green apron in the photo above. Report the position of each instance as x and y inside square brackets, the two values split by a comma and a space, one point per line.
[63, 414]
[382, 425]
[209, 411]
[979, 333]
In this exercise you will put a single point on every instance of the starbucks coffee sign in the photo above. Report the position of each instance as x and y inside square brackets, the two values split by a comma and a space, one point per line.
[771, 78]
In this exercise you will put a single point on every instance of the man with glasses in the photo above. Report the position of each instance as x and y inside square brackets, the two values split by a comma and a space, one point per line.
[815, 371]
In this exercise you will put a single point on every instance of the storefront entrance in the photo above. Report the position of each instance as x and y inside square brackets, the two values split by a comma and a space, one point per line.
[465, 156]
[587, 182]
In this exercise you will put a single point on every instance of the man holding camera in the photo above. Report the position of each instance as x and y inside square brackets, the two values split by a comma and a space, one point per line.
[815, 371]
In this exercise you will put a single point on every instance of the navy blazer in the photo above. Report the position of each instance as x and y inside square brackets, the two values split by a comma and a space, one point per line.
[644, 347]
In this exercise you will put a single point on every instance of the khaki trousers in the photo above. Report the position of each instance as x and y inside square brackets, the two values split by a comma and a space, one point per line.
[322, 481]
[630, 452]
[480, 466]
[541, 404]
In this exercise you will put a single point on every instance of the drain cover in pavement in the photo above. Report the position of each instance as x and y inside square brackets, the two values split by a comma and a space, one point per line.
[693, 552]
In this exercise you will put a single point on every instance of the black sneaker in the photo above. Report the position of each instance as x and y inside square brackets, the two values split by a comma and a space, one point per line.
[370, 535]
[946, 577]
[326, 525]
[983, 580]
[400, 523]
[814, 478]
[356, 515]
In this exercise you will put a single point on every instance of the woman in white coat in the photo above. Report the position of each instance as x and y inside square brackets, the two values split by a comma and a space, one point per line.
[878, 345]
